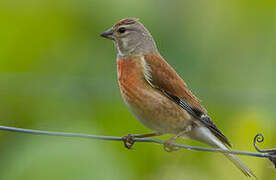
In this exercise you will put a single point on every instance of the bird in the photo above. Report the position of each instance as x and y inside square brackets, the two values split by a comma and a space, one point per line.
[157, 96]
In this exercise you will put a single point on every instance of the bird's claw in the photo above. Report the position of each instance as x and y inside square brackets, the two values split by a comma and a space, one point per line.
[169, 147]
[128, 140]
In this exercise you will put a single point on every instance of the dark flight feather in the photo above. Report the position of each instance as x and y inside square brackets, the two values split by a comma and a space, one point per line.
[165, 79]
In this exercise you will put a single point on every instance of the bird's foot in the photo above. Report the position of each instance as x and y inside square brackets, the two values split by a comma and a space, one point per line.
[128, 140]
[169, 147]
[168, 144]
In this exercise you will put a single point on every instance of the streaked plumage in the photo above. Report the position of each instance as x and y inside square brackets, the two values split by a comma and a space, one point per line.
[148, 104]
[156, 94]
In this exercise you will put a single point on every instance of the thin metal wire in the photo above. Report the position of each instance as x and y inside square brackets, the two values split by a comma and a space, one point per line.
[63, 134]
[148, 140]
[270, 152]
[260, 138]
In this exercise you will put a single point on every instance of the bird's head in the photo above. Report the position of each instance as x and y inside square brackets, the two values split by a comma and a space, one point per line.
[131, 38]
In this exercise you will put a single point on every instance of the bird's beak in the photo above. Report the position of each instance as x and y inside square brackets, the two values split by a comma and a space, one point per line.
[108, 34]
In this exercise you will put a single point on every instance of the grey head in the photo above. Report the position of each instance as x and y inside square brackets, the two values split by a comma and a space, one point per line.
[131, 38]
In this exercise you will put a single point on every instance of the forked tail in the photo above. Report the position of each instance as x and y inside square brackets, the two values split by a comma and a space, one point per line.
[204, 135]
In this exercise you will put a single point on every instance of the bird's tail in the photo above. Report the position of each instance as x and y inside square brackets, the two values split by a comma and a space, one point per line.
[203, 134]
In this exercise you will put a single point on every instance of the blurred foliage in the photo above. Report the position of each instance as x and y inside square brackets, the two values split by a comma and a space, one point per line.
[56, 73]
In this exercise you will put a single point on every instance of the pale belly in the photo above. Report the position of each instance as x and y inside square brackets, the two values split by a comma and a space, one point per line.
[155, 110]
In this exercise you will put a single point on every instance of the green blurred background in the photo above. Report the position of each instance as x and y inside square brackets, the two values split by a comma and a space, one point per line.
[56, 73]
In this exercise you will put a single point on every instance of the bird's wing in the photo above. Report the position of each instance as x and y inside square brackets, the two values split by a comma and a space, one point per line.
[163, 77]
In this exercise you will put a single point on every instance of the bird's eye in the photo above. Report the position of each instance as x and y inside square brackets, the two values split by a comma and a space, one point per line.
[122, 30]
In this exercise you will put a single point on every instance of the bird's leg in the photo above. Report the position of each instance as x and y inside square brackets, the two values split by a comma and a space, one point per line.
[168, 143]
[128, 140]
